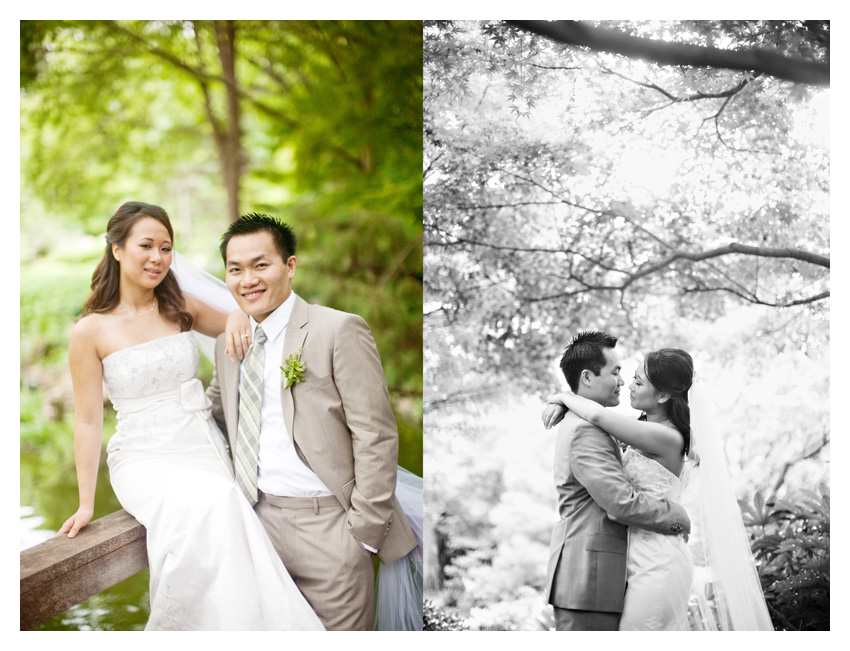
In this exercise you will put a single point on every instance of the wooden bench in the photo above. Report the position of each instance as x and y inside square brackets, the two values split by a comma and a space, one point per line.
[62, 572]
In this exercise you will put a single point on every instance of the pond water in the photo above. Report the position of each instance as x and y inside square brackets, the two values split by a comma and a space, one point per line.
[48, 498]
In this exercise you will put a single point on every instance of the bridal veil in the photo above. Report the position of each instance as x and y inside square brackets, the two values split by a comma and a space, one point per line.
[726, 592]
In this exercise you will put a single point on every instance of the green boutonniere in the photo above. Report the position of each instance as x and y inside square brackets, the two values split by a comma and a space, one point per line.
[293, 369]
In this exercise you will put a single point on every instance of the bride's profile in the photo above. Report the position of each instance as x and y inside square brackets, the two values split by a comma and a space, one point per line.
[710, 583]
[212, 567]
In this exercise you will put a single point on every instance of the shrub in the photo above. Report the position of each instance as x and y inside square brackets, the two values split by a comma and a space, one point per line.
[790, 542]
[439, 619]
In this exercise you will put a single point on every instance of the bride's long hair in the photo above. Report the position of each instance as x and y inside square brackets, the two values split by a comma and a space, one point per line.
[105, 281]
[671, 371]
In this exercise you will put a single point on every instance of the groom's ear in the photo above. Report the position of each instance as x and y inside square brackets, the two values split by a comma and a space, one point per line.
[585, 377]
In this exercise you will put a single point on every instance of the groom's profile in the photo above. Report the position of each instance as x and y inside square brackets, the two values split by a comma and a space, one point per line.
[587, 554]
[312, 434]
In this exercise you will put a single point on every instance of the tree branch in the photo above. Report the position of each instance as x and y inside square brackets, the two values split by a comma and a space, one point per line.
[455, 241]
[200, 75]
[642, 272]
[755, 300]
[733, 248]
[573, 32]
[780, 478]
[695, 97]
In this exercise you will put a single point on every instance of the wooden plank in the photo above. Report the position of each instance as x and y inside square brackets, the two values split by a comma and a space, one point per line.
[62, 572]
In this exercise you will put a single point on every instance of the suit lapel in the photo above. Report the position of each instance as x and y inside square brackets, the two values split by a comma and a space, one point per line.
[296, 333]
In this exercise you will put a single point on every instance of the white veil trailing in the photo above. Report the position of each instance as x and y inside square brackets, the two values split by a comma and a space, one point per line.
[206, 288]
[399, 584]
[726, 592]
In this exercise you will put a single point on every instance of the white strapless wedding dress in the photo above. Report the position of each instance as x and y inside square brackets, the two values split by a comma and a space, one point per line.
[212, 566]
[659, 568]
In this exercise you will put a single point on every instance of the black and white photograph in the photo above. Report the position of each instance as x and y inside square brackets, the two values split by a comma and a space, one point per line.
[626, 325]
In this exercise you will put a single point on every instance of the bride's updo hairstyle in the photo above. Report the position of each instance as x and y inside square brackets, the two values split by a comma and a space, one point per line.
[671, 371]
[105, 280]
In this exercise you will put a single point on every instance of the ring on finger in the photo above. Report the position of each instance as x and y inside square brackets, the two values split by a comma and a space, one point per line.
[244, 336]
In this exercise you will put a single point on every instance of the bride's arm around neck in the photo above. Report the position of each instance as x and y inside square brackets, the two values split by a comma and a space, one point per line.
[649, 437]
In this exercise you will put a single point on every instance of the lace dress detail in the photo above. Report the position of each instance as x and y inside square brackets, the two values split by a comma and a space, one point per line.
[659, 568]
[212, 566]
[649, 476]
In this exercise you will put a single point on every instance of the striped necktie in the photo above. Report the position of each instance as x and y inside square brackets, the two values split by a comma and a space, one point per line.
[250, 406]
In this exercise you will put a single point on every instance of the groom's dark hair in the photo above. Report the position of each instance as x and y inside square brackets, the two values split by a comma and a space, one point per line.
[585, 351]
[254, 222]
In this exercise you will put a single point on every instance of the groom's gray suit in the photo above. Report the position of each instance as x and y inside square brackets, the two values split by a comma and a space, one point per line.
[587, 554]
[341, 422]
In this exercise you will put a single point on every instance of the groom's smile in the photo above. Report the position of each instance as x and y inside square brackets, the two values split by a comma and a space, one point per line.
[253, 295]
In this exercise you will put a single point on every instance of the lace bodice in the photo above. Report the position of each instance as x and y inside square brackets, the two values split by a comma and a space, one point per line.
[153, 385]
[150, 368]
[649, 476]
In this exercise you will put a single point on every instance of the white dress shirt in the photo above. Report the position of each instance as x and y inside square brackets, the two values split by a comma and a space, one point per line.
[280, 471]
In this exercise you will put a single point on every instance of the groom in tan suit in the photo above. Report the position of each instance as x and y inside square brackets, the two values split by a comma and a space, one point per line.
[587, 553]
[317, 453]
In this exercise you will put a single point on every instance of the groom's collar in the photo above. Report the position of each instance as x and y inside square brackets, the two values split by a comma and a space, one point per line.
[276, 322]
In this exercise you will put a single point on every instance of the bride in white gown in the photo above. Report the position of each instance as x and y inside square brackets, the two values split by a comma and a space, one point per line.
[673, 454]
[212, 567]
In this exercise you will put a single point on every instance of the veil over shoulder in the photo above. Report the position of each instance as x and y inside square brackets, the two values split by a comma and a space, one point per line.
[726, 593]
[399, 584]
[207, 288]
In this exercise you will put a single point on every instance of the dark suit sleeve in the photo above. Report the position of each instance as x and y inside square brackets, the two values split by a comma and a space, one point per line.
[359, 378]
[594, 462]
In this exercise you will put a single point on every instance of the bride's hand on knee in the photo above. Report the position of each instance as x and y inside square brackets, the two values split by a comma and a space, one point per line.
[77, 521]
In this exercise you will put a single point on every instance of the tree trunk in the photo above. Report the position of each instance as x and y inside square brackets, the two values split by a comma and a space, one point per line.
[230, 150]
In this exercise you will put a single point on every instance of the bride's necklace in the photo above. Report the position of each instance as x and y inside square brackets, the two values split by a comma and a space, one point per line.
[139, 313]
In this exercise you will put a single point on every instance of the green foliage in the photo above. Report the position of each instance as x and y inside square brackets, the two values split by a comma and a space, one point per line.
[48, 308]
[323, 123]
[440, 619]
[790, 541]
[328, 137]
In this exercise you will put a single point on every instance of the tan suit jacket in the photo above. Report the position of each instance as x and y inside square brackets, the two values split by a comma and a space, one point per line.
[587, 554]
[339, 418]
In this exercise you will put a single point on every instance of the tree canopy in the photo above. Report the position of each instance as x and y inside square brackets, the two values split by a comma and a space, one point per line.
[569, 188]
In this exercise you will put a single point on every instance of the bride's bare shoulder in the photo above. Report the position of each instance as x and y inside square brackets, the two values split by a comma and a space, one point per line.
[91, 328]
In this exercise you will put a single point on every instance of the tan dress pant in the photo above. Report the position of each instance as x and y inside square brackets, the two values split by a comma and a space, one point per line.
[331, 568]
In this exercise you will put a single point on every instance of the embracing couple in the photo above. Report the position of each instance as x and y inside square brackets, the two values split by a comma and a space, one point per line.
[273, 525]
[626, 555]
